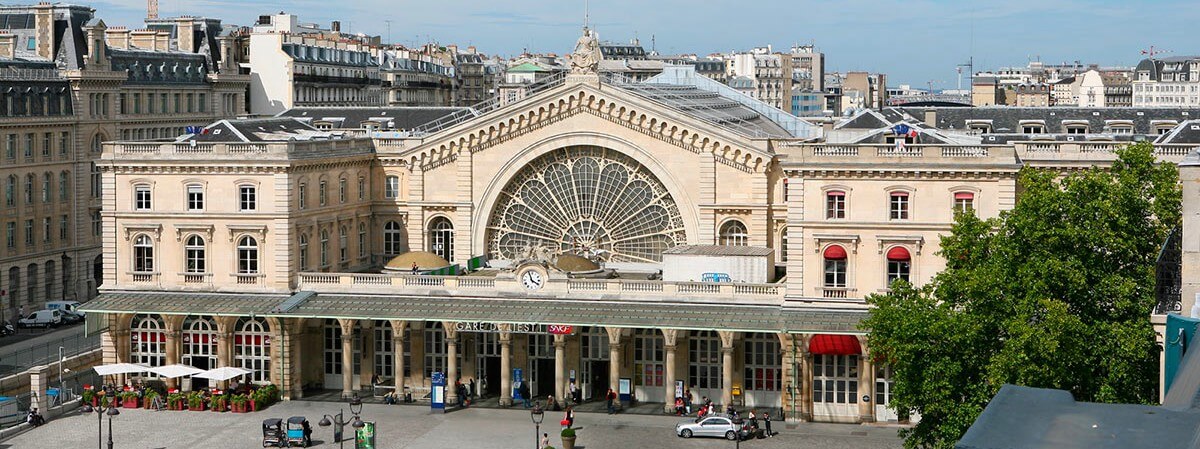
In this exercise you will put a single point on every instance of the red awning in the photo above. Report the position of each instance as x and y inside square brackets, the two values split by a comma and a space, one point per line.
[835, 252]
[834, 345]
[899, 193]
[898, 253]
[836, 193]
[964, 196]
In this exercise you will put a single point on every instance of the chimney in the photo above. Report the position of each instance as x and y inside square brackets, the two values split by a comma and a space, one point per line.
[8, 45]
[117, 37]
[162, 41]
[453, 48]
[931, 118]
[44, 24]
[185, 29]
[142, 39]
[336, 26]
[471, 49]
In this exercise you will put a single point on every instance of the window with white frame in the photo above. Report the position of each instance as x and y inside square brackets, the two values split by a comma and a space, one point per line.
[303, 252]
[391, 187]
[835, 379]
[247, 254]
[964, 202]
[195, 197]
[835, 205]
[392, 238]
[194, 255]
[141, 197]
[733, 233]
[704, 360]
[899, 264]
[763, 364]
[343, 245]
[147, 341]
[252, 349]
[648, 350]
[247, 198]
[898, 205]
[835, 267]
[143, 254]
[362, 240]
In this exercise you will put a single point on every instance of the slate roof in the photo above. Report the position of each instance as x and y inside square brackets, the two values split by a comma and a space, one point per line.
[708, 106]
[1187, 132]
[401, 118]
[260, 130]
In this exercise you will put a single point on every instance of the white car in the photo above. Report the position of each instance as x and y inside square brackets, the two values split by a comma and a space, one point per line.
[711, 426]
[43, 318]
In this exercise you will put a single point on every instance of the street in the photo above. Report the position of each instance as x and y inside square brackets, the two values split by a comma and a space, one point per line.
[30, 346]
[401, 426]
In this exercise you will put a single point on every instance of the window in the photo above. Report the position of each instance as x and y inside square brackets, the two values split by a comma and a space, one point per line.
[63, 183]
[194, 255]
[324, 248]
[63, 228]
[342, 190]
[137, 103]
[898, 205]
[10, 149]
[704, 360]
[321, 193]
[97, 224]
[195, 197]
[29, 145]
[147, 341]
[28, 190]
[10, 234]
[441, 238]
[247, 198]
[252, 349]
[835, 267]
[362, 240]
[163, 103]
[835, 379]
[899, 262]
[141, 197]
[964, 202]
[143, 254]
[391, 238]
[10, 191]
[1077, 129]
[64, 144]
[343, 245]
[362, 188]
[46, 233]
[648, 356]
[1032, 128]
[191, 102]
[301, 195]
[47, 179]
[47, 144]
[391, 187]
[95, 174]
[835, 205]
[247, 253]
[733, 233]
[435, 348]
[202, 103]
[762, 362]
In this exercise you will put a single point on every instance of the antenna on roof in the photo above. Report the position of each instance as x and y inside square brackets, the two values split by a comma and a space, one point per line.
[585, 14]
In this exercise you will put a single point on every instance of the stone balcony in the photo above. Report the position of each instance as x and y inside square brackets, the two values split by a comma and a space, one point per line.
[273, 151]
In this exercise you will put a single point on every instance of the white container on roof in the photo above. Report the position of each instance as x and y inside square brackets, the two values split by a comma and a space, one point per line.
[719, 263]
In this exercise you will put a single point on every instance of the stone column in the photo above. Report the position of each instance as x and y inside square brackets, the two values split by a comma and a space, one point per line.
[347, 327]
[506, 399]
[866, 383]
[614, 358]
[560, 369]
[726, 366]
[806, 378]
[172, 337]
[398, 328]
[225, 325]
[451, 363]
[669, 338]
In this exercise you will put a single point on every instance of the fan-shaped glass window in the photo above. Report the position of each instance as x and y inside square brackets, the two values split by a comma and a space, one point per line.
[585, 200]
[733, 233]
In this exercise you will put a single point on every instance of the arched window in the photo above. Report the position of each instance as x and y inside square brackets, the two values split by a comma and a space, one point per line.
[324, 248]
[835, 267]
[199, 341]
[899, 263]
[964, 202]
[63, 184]
[147, 341]
[252, 349]
[391, 238]
[247, 252]
[194, 255]
[343, 245]
[733, 233]
[303, 252]
[97, 143]
[143, 254]
[441, 238]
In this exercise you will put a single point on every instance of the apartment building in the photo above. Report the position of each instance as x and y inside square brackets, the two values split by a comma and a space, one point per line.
[418, 78]
[1167, 82]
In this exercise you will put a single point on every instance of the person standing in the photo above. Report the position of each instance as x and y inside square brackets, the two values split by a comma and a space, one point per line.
[524, 390]
[687, 401]
[608, 399]
[574, 393]
[570, 416]
[471, 389]
[545, 440]
[767, 423]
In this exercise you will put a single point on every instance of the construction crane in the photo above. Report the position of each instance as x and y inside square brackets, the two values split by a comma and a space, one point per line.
[1152, 51]
[151, 9]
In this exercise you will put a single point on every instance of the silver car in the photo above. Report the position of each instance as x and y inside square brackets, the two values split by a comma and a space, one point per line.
[711, 426]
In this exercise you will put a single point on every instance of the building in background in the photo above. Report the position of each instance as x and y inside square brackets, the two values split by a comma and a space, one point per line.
[418, 77]
[863, 90]
[1033, 95]
[1167, 82]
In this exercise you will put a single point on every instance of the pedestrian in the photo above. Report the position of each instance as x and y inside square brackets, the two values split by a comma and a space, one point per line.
[753, 421]
[570, 416]
[483, 387]
[374, 379]
[414, 268]
[525, 396]
[471, 389]
[545, 440]
[574, 392]
[679, 409]
[687, 401]
[608, 399]
[35, 419]
[767, 423]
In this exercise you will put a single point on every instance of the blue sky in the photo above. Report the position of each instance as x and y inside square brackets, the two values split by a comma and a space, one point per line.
[913, 41]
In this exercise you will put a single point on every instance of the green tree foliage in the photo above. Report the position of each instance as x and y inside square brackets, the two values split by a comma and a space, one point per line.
[1055, 293]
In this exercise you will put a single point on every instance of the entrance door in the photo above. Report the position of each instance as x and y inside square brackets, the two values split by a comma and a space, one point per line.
[883, 395]
[599, 379]
[333, 355]
[835, 387]
[543, 378]
[197, 383]
[491, 373]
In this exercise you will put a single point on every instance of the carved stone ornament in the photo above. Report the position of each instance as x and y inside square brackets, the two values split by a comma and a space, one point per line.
[586, 57]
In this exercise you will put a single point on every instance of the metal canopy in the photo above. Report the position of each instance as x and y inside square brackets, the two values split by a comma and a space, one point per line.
[734, 317]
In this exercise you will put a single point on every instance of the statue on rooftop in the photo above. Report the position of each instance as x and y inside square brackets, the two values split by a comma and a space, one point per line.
[586, 58]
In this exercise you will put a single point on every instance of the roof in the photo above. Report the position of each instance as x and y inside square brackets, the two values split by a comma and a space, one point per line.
[259, 130]
[527, 67]
[1187, 132]
[423, 259]
[573, 263]
[708, 106]
[748, 318]
[1036, 418]
[1006, 119]
[400, 118]
[718, 250]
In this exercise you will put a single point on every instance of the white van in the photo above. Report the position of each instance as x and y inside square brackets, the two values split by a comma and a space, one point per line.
[44, 318]
[70, 310]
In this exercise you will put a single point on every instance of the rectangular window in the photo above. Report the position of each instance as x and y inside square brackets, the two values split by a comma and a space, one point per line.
[29, 145]
[137, 103]
[150, 103]
[247, 198]
[898, 269]
[29, 232]
[835, 273]
[46, 234]
[321, 193]
[835, 379]
[195, 197]
[64, 144]
[63, 228]
[342, 190]
[898, 205]
[362, 241]
[203, 106]
[97, 224]
[300, 195]
[835, 205]
[10, 149]
[178, 103]
[121, 104]
[391, 188]
[47, 144]
[164, 103]
[63, 182]
[362, 191]
[191, 100]
[141, 198]
[10, 234]
[964, 202]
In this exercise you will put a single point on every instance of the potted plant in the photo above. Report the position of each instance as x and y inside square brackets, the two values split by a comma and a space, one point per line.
[175, 401]
[129, 399]
[195, 402]
[238, 403]
[89, 397]
[149, 399]
[568, 438]
[218, 403]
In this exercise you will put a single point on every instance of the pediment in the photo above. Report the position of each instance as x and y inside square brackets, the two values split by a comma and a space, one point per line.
[661, 122]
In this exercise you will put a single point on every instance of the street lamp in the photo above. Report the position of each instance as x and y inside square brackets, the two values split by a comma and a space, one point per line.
[355, 409]
[337, 420]
[340, 421]
[100, 409]
[537, 416]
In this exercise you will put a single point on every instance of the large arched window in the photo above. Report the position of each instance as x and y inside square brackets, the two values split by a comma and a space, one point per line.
[252, 349]
[199, 343]
[247, 254]
[143, 254]
[899, 263]
[733, 233]
[147, 341]
[303, 252]
[194, 255]
[392, 238]
[441, 238]
[835, 267]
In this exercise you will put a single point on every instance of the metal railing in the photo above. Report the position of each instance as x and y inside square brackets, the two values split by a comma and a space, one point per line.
[485, 107]
[46, 352]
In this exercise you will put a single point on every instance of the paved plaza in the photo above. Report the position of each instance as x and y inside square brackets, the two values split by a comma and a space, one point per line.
[403, 426]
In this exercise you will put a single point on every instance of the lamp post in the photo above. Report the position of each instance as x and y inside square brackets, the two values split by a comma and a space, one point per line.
[337, 420]
[340, 420]
[101, 409]
[537, 416]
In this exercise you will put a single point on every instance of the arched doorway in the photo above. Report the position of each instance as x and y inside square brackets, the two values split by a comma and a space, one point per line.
[199, 341]
[147, 342]
[252, 349]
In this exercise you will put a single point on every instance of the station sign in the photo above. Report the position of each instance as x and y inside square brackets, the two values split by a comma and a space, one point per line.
[487, 327]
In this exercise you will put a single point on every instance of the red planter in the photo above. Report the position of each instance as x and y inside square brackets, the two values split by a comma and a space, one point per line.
[130, 402]
[251, 405]
[198, 408]
[175, 405]
[221, 406]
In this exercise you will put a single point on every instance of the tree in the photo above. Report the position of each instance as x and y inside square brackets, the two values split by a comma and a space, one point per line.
[1055, 293]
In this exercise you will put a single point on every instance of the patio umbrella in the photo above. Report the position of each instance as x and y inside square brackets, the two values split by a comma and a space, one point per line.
[223, 373]
[120, 368]
[173, 371]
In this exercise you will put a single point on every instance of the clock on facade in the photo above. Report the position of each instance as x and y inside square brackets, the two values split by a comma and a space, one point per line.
[532, 278]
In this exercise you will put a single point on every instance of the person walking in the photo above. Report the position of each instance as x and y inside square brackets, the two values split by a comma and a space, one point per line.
[687, 401]
[471, 389]
[767, 423]
[574, 392]
[569, 416]
[524, 390]
[608, 399]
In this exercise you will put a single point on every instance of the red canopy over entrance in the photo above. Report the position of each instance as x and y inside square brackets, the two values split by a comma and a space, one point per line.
[834, 345]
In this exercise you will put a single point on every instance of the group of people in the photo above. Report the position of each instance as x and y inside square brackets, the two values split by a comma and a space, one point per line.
[34, 418]
[707, 408]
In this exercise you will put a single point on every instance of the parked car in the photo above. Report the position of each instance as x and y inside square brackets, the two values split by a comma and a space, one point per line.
[717, 425]
[43, 318]
[70, 309]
